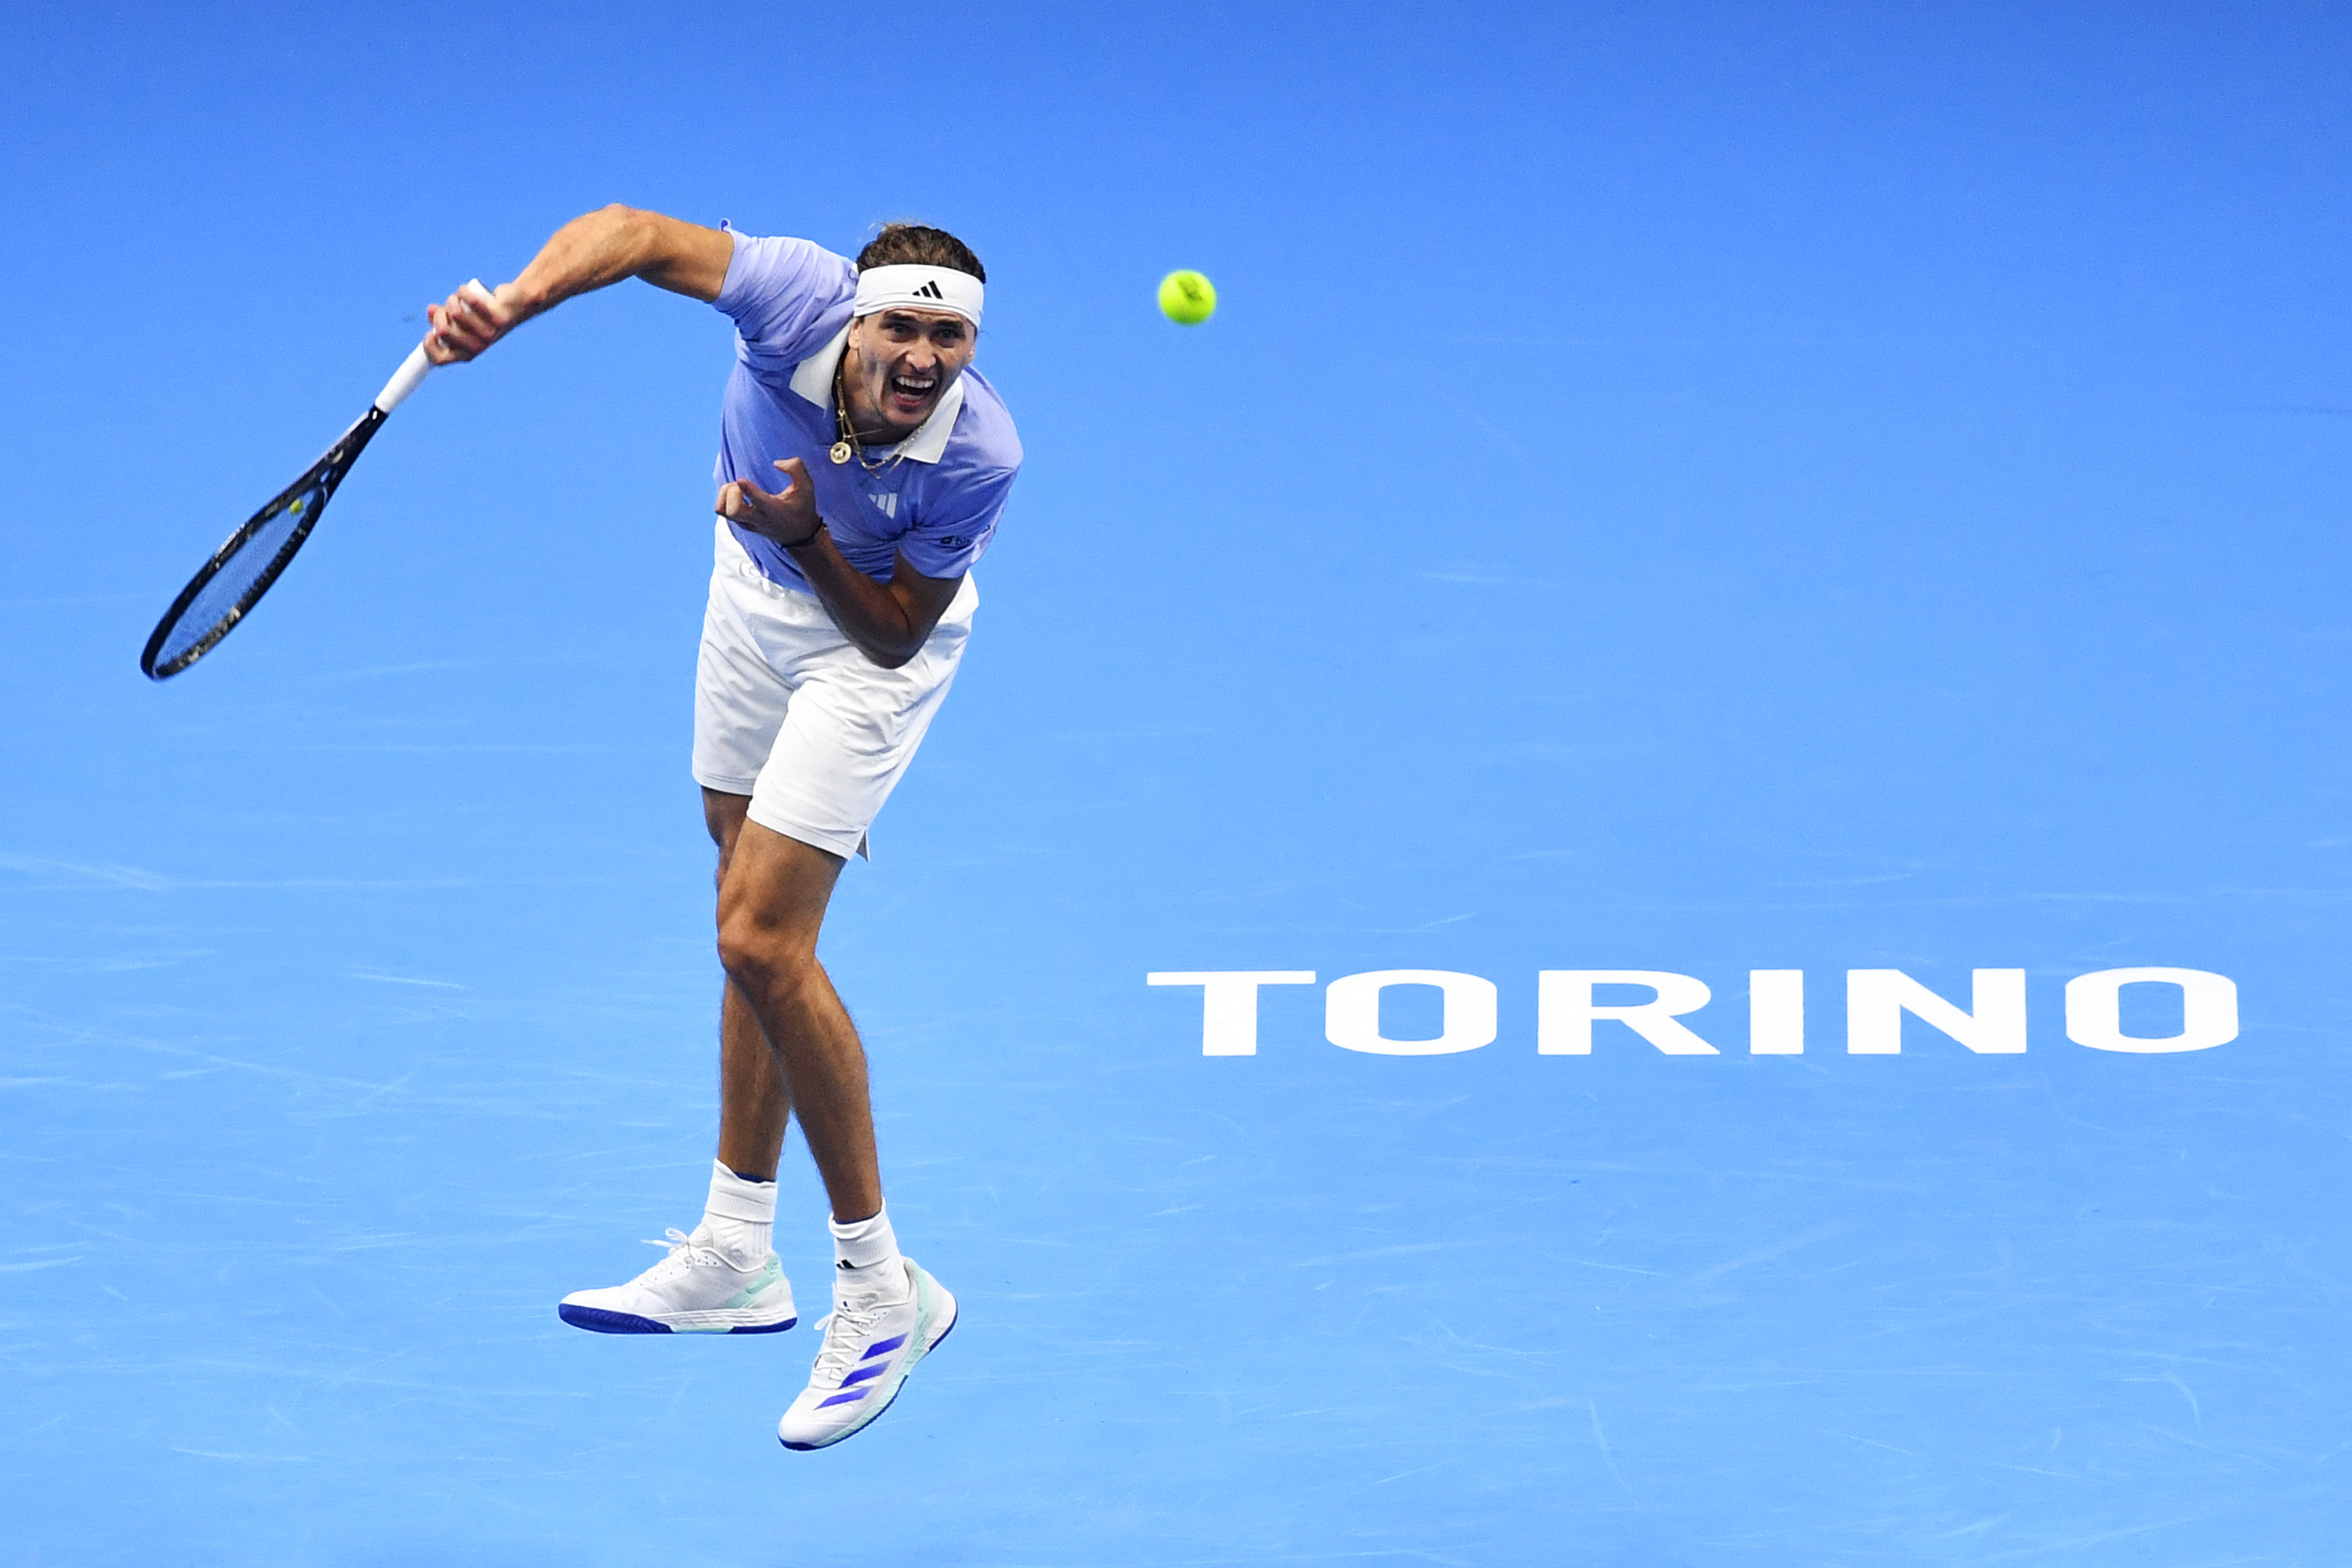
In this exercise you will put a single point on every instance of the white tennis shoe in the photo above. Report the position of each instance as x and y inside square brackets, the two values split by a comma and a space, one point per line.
[696, 1289]
[870, 1346]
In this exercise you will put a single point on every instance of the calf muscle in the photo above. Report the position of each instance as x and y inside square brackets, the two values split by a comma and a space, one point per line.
[754, 1107]
[772, 895]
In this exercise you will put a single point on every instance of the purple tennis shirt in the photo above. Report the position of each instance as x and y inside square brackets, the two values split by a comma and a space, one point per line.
[939, 500]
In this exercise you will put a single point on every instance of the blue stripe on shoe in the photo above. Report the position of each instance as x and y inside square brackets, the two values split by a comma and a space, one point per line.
[864, 1373]
[844, 1398]
[604, 1321]
[882, 1347]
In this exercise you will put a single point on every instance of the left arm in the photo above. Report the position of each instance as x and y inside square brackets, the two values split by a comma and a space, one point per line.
[888, 621]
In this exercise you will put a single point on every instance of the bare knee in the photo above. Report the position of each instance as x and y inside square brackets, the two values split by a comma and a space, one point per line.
[771, 902]
[761, 955]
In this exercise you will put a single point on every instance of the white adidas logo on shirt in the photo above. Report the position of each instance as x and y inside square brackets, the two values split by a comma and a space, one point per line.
[888, 501]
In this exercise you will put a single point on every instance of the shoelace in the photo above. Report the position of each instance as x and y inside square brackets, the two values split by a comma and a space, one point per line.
[678, 1243]
[844, 1327]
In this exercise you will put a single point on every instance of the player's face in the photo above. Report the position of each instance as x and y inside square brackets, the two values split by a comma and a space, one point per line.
[901, 362]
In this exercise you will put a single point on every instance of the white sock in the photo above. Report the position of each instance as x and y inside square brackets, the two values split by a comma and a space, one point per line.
[865, 1260]
[741, 1217]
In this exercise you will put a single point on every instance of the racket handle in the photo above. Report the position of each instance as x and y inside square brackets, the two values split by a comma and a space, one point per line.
[417, 367]
[405, 380]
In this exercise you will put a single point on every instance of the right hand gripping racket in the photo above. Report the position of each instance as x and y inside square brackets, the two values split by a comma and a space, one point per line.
[241, 569]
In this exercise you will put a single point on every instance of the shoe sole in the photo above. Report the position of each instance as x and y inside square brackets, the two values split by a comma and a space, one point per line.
[604, 1320]
[867, 1418]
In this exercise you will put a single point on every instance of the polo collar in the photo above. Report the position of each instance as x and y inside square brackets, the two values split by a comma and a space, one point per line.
[812, 379]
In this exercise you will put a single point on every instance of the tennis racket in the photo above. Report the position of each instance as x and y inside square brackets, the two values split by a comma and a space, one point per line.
[241, 569]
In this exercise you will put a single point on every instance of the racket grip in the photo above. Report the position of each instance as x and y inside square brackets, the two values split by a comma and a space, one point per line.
[405, 380]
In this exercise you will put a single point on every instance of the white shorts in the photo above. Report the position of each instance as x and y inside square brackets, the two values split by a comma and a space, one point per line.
[788, 711]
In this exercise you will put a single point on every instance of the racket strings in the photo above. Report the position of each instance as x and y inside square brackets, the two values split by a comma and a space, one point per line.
[241, 571]
[230, 591]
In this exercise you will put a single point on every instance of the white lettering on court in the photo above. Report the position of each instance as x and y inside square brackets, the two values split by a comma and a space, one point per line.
[2094, 1006]
[1876, 999]
[1229, 1003]
[1564, 1010]
[1776, 1011]
[1351, 1012]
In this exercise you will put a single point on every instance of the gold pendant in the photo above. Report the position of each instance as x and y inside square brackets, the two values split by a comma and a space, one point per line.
[840, 453]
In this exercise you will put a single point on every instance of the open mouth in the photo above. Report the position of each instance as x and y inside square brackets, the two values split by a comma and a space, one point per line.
[910, 392]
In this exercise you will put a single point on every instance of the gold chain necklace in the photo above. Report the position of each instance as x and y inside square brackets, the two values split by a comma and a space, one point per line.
[847, 447]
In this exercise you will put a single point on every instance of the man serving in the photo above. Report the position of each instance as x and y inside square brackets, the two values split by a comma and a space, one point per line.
[839, 607]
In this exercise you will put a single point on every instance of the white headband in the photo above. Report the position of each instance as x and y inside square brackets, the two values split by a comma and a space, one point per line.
[919, 288]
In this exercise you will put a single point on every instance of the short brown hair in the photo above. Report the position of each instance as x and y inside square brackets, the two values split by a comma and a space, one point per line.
[901, 244]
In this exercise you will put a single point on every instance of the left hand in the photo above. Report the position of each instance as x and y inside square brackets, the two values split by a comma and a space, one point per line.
[790, 518]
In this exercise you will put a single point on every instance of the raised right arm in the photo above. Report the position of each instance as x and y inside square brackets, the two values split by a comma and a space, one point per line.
[588, 253]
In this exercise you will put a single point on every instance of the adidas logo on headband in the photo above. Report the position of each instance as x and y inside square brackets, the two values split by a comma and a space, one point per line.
[927, 287]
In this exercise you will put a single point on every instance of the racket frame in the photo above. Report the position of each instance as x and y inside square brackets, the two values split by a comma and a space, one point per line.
[322, 475]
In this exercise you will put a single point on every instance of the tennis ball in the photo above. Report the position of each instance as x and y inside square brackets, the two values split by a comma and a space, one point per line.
[1187, 299]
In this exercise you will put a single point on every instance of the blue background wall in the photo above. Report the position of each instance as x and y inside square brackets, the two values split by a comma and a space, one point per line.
[1698, 488]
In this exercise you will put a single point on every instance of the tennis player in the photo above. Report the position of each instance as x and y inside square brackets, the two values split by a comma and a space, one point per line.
[863, 466]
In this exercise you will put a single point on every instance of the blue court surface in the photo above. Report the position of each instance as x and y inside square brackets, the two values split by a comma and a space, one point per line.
[1715, 491]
